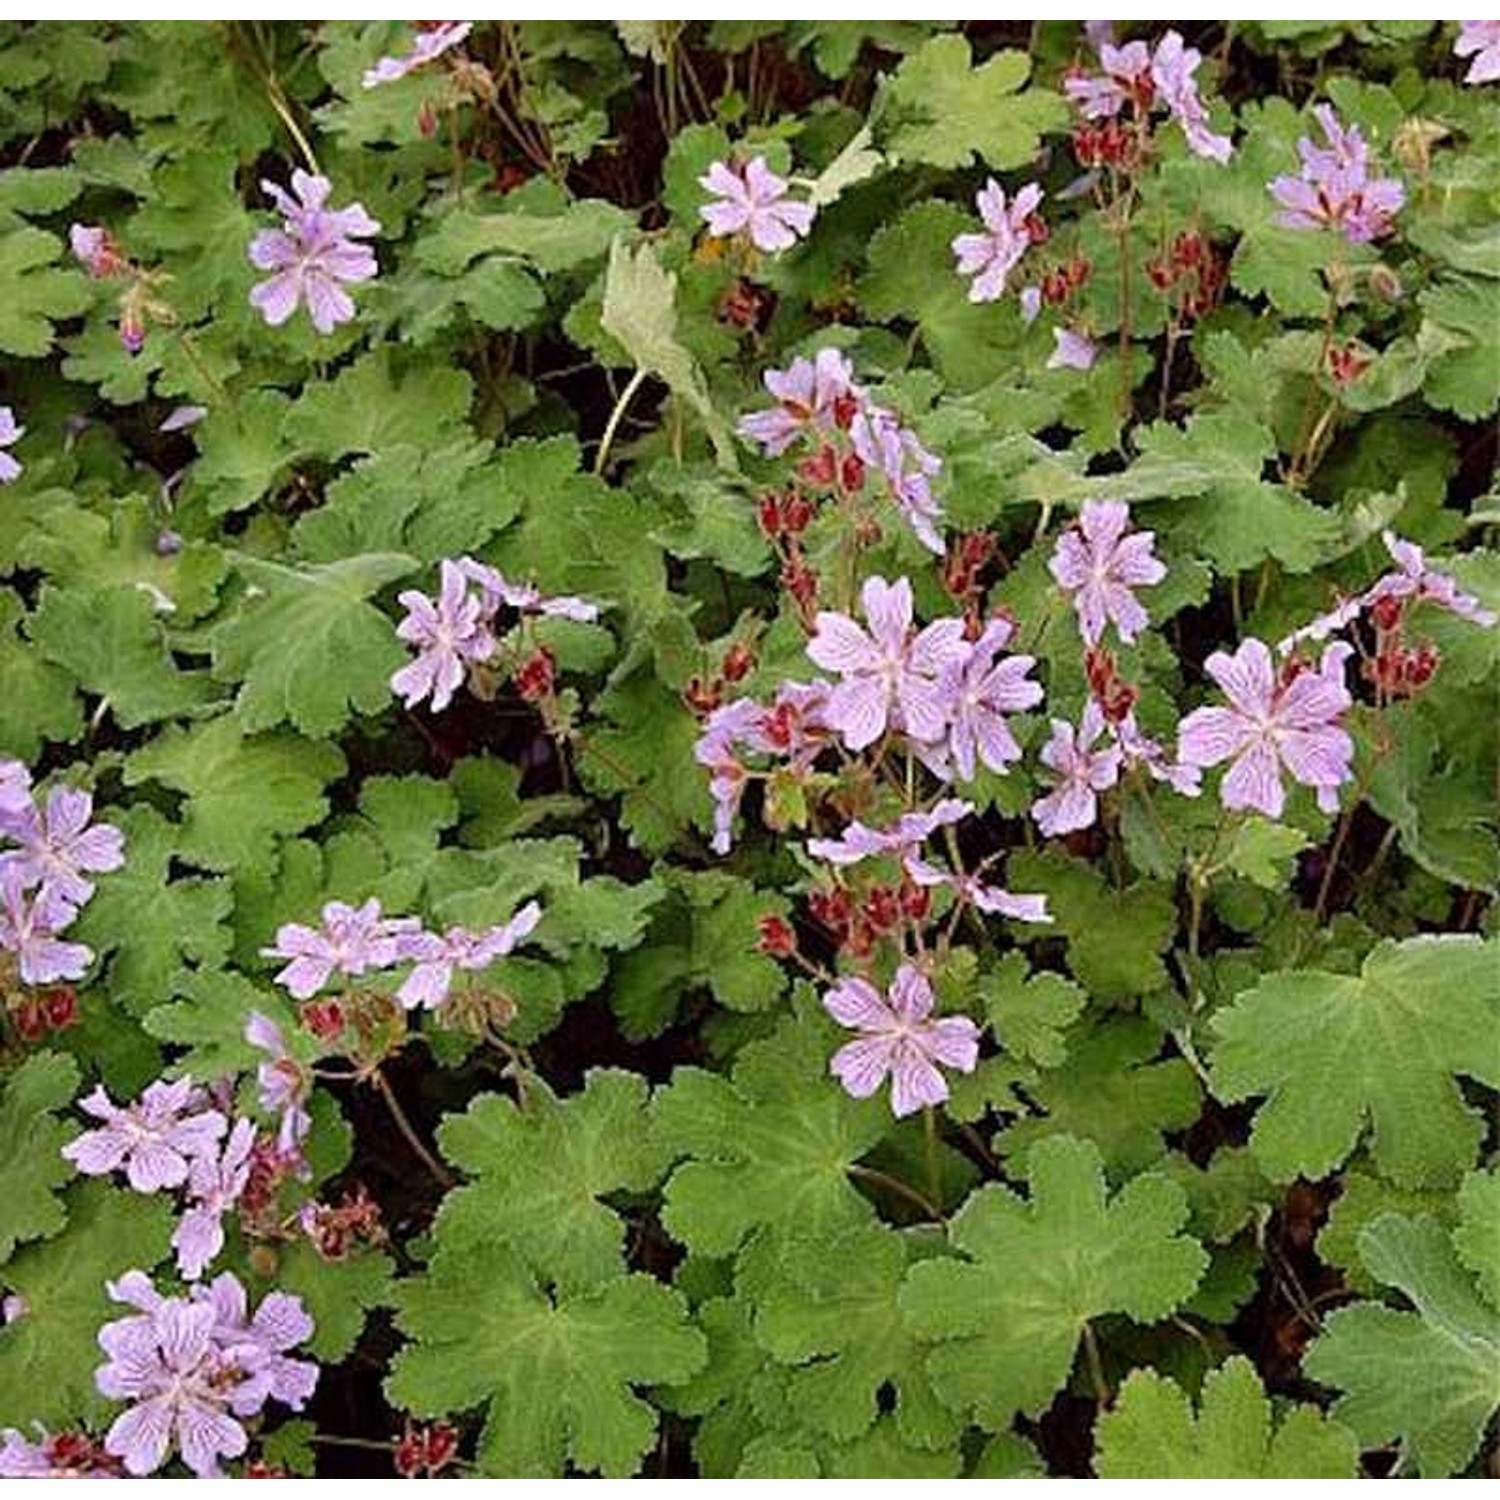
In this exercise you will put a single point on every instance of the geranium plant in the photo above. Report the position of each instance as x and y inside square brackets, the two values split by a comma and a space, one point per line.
[749, 749]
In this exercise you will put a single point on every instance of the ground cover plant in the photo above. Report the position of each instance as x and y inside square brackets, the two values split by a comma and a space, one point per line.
[749, 748]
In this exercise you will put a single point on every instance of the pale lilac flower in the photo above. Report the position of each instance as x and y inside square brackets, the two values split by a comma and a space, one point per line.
[447, 633]
[58, 846]
[900, 1039]
[1288, 720]
[1172, 70]
[67, 1456]
[15, 794]
[525, 598]
[180, 418]
[981, 692]
[896, 453]
[890, 676]
[215, 1182]
[1073, 351]
[313, 255]
[1098, 33]
[993, 900]
[279, 1324]
[155, 1139]
[282, 1082]
[1031, 304]
[811, 397]
[1082, 772]
[794, 728]
[1481, 41]
[716, 746]
[1100, 566]
[95, 250]
[29, 926]
[431, 42]
[1140, 749]
[752, 198]
[907, 834]
[13, 1307]
[459, 948]
[1415, 581]
[182, 1385]
[1126, 78]
[10, 432]
[990, 257]
[351, 941]
[1334, 190]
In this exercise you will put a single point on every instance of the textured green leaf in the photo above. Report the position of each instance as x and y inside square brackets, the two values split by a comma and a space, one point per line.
[31, 1141]
[37, 294]
[1430, 1377]
[943, 112]
[1030, 1014]
[556, 1376]
[309, 649]
[1152, 1433]
[539, 1174]
[1337, 1054]
[155, 926]
[1007, 1319]
[241, 792]
[769, 1151]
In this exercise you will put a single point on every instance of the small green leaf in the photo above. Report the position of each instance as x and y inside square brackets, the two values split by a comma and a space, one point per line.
[31, 1142]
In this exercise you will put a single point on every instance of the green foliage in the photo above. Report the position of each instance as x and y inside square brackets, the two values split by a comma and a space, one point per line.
[31, 1141]
[48, 1357]
[1153, 1432]
[1338, 1054]
[541, 1170]
[1427, 1377]
[556, 1375]
[1007, 1318]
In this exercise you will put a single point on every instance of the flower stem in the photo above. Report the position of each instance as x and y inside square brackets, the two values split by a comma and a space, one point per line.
[408, 1132]
[615, 418]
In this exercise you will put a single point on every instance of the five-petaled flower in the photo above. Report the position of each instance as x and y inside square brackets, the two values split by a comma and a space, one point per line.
[890, 675]
[448, 632]
[154, 1140]
[751, 199]
[990, 257]
[352, 941]
[1276, 720]
[900, 1039]
[981, 690]
[437, 956]
[313, 256]
[1082, 770]
[59, 848]
[1100, 566]
[1334, 189]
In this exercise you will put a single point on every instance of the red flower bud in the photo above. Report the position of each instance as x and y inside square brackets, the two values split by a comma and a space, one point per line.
[324, 1019]
[777, 937]
[796, 514]
[739, 660]
[769, 515]
[882, 908]
[852, 473]
[820, 469]
[535, 676]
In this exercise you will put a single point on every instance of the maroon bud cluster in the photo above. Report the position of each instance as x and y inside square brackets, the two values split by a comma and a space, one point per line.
[785, 515]
[1193, 271]
[1106, 143]
[323, 1019]
[967, 558]
[1400, 671]
[1115, 696]
[335, 1229]
[424, 1452]
[747, 305]
[777, 937]
[536, 676]
[40, 1015]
